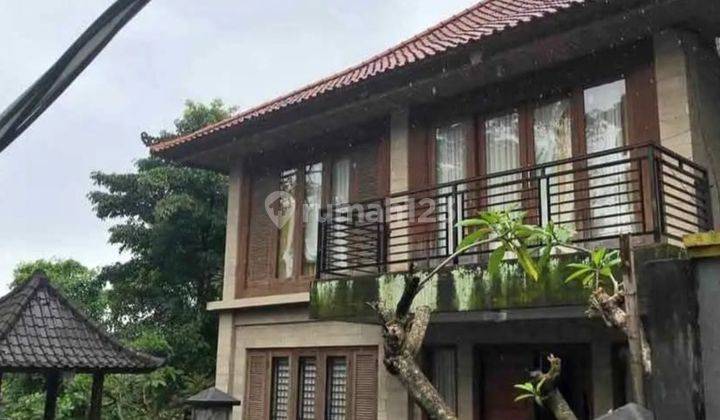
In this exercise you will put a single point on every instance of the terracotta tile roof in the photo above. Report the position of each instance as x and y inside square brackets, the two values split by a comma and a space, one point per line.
[40, 329]
[471, 25]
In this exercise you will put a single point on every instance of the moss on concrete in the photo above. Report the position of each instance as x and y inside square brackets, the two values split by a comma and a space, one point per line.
[466, 288]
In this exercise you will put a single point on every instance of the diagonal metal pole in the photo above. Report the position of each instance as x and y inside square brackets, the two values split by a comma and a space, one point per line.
[38, 97]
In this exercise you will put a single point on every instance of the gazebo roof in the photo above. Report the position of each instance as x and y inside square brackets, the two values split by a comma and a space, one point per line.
[40, 330]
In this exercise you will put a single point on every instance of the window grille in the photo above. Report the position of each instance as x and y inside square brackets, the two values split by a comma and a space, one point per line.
[280, 388]
[308, 380]
[336, 388]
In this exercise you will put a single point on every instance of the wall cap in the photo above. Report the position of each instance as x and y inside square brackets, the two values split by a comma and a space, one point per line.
[703, 245]
[255, 302]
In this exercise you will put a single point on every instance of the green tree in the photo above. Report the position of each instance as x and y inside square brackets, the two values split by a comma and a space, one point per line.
[170, 220]
[79, 284]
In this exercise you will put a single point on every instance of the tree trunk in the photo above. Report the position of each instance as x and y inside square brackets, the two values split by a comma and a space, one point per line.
[421, 390]
[554, 400]
[403, 335]
[557, 404]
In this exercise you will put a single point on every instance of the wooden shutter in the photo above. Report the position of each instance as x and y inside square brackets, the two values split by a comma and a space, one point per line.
[365, 385]
[256, 386]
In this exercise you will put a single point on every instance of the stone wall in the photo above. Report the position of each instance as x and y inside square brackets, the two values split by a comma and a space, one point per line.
[687, 73]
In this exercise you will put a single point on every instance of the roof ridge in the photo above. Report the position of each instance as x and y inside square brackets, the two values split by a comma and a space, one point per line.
[347, 70]
[35, 282]
[471, 25]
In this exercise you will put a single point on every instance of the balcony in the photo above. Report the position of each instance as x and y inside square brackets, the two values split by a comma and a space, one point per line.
[646, 191]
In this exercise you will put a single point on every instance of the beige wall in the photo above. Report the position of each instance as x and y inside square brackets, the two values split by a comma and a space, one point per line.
[688, 84]
[290, 327]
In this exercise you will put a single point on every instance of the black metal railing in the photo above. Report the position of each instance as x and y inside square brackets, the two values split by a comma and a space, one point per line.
[640, 190]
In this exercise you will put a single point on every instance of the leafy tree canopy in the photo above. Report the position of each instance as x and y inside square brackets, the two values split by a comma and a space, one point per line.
[75, 281]
[170, 220]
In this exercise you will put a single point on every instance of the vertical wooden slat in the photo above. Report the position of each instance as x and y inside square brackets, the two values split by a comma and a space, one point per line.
[241, 269]
[383, 162]
[643, 116]
[256, 386]
[365, 385]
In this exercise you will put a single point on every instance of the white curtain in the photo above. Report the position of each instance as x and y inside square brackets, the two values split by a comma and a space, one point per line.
[502, 153]
[340, 195]
[552, 132]
[606, 129]
[285, 255]
[450, 165]
[311, 209]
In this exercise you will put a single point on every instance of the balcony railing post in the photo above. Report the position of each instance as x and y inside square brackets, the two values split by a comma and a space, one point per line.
[321, 244]
[655, 194]
[381, 237]
[453, 221]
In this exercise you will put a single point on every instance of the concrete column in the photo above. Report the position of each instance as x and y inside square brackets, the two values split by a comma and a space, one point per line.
[393, 399]
[399, 182]
[465, 379]
[688, 84]
[602, 377]
[232, 232]
[224, 367]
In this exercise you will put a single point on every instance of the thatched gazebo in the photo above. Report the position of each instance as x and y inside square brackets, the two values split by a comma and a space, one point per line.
[41, 332]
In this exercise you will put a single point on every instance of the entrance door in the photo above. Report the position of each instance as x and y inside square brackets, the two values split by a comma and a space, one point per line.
[501, 367]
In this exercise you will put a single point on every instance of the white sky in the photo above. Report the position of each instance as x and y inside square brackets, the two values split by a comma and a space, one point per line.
[244, 52]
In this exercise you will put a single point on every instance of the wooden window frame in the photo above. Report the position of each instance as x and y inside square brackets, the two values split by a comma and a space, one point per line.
[321, 355]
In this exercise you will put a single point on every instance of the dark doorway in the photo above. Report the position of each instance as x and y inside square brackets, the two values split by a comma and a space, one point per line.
[501, 367]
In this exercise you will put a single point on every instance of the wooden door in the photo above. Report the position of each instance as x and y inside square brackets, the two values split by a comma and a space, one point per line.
[501, 367]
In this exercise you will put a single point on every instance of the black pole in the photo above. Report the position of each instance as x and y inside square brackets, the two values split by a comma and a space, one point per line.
[38, 97]
[96, 397]
[51, 393]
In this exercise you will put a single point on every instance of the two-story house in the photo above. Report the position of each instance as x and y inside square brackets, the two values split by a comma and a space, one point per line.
[601, 115]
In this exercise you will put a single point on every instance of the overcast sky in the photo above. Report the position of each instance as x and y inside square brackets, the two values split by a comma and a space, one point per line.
[244, 52]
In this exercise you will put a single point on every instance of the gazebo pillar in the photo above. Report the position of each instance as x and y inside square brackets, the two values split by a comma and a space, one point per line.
[95, 411]
[51, 393]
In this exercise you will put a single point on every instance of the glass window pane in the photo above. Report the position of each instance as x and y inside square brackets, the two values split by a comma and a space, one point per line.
[280, 388]
[285, 216]
[605, 122]
[340, 195]
[450, 153]
[552, 133]
[336, 388]
[605, 116]
[450, 165]
[502, 153]
[341, 181]
[311, 211]
[308, 380]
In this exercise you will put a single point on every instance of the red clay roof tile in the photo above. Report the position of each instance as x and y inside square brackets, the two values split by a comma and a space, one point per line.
[471, 25]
